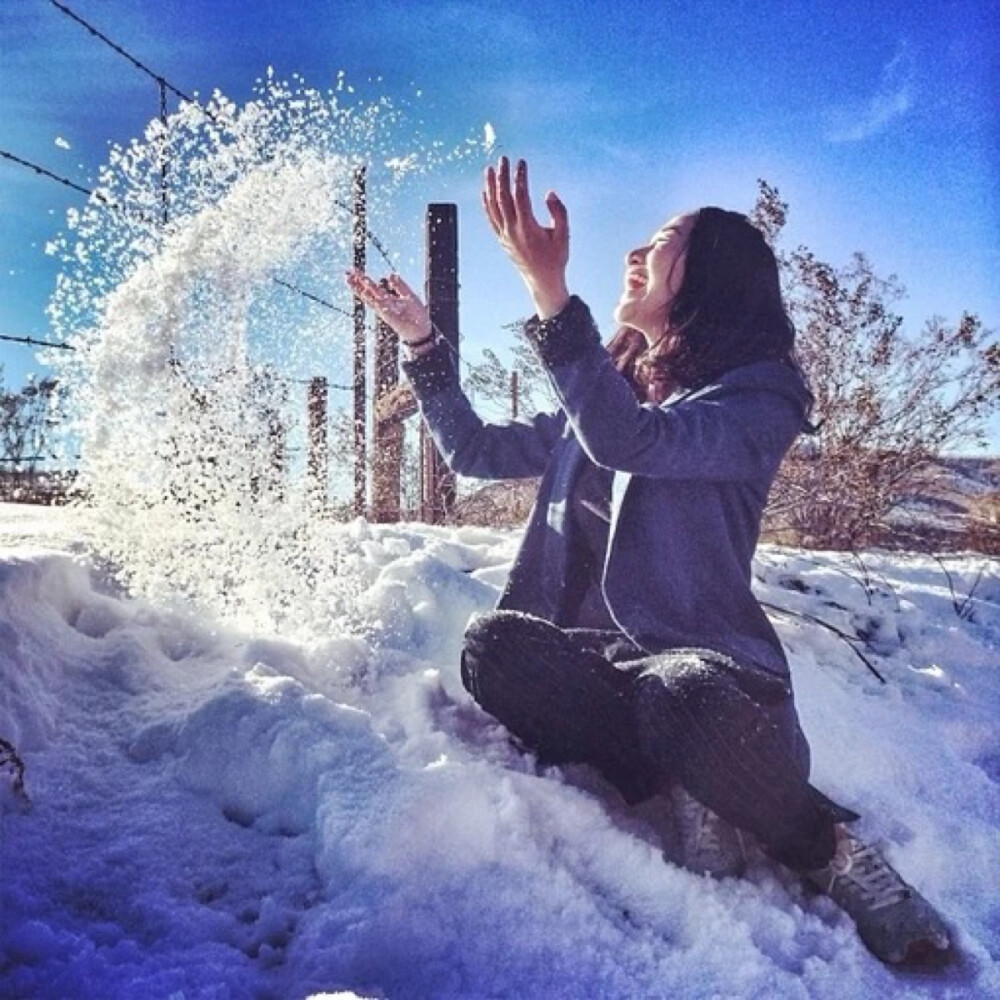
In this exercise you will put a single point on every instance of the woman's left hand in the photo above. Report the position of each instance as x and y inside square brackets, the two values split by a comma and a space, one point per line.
[395, 303]
[539, 252]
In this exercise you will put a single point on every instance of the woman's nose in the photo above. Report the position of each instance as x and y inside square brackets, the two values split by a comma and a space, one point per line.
[636, 256]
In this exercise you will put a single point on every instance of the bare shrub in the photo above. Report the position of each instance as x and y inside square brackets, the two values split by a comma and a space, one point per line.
[887, 402]
[27, 420]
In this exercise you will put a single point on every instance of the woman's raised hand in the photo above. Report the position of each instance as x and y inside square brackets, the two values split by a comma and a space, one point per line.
[397, 305]
[539, 252]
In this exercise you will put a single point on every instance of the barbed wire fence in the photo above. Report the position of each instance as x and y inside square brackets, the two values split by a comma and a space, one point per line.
[363, 236]
[164, 88]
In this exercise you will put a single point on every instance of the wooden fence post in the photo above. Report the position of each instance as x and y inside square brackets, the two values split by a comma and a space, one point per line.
[164, 142]
[360, 443]
[318, 461]
[387, 430]
[437, 482]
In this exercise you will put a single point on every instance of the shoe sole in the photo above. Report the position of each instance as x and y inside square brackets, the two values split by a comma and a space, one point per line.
[927, 953]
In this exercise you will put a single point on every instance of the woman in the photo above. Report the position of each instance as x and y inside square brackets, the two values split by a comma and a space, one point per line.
[628, 637]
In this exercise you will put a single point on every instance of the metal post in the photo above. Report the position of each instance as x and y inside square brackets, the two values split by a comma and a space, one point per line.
[317, 462]
[513, 394]
[438, 492]
[360, 443]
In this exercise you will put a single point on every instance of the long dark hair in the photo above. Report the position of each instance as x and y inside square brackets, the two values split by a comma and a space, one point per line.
[728, 312]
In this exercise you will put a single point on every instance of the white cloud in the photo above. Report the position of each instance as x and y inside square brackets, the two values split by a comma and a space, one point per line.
[892, 99]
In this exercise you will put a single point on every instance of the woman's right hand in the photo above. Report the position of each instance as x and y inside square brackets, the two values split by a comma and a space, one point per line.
[539, 252]
[397, 305]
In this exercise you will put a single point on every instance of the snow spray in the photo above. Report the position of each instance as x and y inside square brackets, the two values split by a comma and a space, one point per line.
[181, 292]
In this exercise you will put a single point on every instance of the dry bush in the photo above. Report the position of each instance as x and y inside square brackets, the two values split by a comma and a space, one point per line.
[502, 504]
[887, 403]
[27, 419]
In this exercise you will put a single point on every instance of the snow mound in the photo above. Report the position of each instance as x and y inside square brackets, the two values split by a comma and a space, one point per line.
[218, 813]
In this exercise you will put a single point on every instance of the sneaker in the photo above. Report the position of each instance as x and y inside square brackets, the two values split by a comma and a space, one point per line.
[708, 844]
[895, 922]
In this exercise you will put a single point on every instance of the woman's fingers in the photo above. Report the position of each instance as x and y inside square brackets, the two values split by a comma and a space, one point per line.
[394, 302]
[490, 201]
[400, 287]
[505, 203]
[507, 208]
[372, 294]
[560, 217]
[522, 200]
[362, 286]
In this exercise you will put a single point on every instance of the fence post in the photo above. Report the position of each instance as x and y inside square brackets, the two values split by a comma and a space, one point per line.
[387, 431]
[437, 482]
[360, 234]
[317, 462]
[164, 145]
[513, 394]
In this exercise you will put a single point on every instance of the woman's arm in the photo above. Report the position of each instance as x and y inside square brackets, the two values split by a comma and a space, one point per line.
[515, 450]
[470, 446]
[738, 429]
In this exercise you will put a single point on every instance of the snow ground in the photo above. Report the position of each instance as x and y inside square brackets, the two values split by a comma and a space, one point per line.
[220, 814]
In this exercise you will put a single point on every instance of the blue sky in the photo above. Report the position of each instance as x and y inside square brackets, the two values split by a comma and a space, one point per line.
[876, 120]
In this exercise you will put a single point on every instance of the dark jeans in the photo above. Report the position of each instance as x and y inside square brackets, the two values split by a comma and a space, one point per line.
[728, 734]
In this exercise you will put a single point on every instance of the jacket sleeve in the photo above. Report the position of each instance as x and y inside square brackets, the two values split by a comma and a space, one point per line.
[727, 432]
[471, 447]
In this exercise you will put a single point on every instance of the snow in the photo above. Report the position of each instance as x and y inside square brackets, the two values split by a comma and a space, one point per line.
[222, 811]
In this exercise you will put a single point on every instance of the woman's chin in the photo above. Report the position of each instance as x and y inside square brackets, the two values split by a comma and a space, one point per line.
[624, 312]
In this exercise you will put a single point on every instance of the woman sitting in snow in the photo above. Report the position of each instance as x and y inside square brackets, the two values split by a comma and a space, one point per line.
[628, 637]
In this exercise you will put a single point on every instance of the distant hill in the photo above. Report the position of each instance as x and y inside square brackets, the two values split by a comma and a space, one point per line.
[957, 507]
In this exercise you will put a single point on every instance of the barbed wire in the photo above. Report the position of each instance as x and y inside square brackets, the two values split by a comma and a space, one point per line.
[312, 297]
[36, 343]
[66, 182]
[164, 84]
[47, 173]
[30, 341]
[44, 172]
[309, 381]
[160, 80]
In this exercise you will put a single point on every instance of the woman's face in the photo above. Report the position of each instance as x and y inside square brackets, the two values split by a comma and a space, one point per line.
[653, 275]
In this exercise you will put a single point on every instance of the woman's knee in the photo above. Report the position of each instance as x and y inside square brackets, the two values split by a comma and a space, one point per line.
[510, 649]
[484, 638]
[685, 700]
[481, 630]
[506, 633]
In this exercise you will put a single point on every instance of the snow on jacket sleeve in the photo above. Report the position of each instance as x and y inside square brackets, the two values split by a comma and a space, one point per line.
[736, 429]
[470, 446]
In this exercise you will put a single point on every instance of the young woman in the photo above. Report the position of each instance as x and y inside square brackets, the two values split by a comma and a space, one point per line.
[628, 637]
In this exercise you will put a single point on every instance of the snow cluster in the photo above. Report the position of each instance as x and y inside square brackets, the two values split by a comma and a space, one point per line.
[217, 811]
[185, 397]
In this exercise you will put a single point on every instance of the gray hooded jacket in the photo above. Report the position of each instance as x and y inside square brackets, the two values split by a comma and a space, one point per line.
[691, 478]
